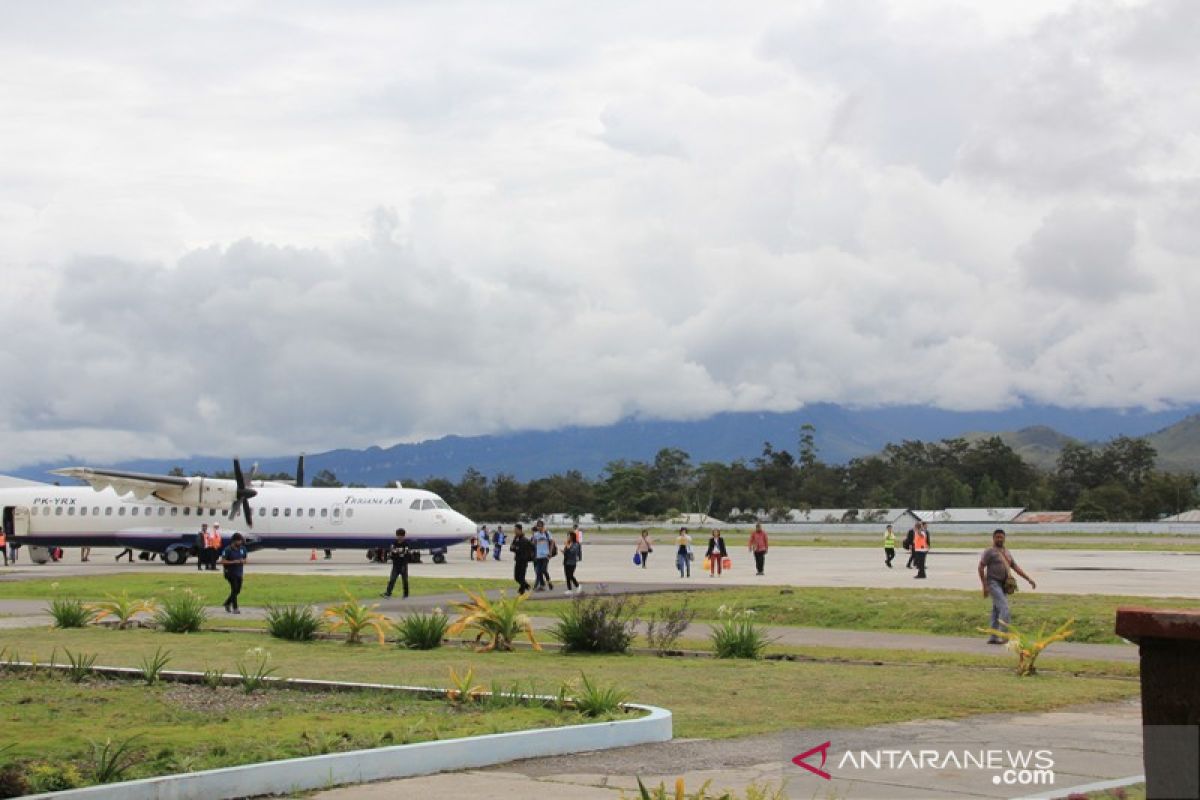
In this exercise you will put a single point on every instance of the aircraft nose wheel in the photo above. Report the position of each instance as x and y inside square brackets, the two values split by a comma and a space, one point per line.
[439, 558]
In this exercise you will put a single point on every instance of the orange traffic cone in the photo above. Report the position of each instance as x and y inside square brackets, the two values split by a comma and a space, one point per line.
[313, 557]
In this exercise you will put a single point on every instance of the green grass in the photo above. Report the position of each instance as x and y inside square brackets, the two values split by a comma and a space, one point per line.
[944, 612]
[259, 590]
[709, 698]
[50, 719]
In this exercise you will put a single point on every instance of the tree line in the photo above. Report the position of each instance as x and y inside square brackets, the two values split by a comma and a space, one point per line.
[1116, 481]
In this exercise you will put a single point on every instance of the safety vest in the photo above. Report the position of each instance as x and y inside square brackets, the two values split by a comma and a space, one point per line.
[889, 539]
[920, 542]
[3, 538]
[214, 540]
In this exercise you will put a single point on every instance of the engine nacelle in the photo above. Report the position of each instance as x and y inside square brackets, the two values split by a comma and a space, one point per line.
[202, 493]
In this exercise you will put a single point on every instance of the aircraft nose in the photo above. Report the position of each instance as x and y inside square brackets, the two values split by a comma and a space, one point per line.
[462, 524]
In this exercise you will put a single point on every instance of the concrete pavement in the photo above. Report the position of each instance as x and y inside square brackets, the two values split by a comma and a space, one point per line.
[1061, 571]
[1081, 745]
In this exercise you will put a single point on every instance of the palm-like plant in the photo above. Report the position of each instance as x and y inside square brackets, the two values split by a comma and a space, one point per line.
[498, 623]
[463, 687]
[354, 618]
[123, 607]
[1029, 646]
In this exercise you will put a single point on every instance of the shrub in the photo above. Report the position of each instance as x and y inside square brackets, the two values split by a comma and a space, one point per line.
[253, 670]
[47, 777]
[738, 636]
[296, 623]
[667, 625]
[1029, 646]
[594, 700]
[598, 624]
[422, 631]
[79, 666]
[462, 687]
[111, 760]
[755, 791]
[122, 607]
[355, 618]
[153, 666]
[12, 781]
[69, 612]
[498, 623]
[182, 612]
[212, 678]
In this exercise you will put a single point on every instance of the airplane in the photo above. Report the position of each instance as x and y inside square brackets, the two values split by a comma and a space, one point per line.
[161, 514]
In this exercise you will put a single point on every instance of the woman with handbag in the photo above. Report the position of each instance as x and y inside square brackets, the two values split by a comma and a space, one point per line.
[715, 554]
[645, 547]
[996, 568]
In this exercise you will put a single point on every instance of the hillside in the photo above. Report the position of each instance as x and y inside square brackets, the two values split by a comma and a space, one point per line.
[1037, 444]
[842, 434]
[1178, 445]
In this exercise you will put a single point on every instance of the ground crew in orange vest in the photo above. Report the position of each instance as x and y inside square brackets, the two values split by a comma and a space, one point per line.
[4, 545]
[214, 547]
[920, 548]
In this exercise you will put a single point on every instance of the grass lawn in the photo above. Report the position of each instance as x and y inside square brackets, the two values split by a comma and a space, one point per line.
[947, 612]
[710, 698]
[260, 589]
[185, 728]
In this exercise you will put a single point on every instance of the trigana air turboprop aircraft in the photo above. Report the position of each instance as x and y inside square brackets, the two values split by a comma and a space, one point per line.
[161, 514]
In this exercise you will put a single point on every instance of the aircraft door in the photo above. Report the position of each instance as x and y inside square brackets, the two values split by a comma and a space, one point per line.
[16, 521]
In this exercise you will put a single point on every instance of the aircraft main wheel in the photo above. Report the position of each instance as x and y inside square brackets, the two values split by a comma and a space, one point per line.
[175, 556]
[439, 558]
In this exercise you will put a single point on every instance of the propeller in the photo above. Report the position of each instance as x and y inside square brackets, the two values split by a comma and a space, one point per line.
[300, 471]
[244, 493]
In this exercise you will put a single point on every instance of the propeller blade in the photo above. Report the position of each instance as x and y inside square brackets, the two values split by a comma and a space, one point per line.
[247, 513]
[237, 474]
[300, 471]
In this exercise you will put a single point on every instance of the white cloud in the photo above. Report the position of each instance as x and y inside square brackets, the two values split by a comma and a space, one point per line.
[293, 226]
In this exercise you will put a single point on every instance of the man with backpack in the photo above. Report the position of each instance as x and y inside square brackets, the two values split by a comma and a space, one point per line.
[544, 550]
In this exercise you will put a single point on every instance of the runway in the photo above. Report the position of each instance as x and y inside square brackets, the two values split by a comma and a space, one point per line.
[1148, 574]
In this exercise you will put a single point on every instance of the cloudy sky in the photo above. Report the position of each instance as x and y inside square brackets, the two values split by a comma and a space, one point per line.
[270, 227]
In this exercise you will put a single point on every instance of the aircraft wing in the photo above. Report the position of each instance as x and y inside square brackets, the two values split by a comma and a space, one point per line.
[141, 484]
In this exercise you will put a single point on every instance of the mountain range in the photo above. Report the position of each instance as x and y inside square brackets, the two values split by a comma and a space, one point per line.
[842, 433]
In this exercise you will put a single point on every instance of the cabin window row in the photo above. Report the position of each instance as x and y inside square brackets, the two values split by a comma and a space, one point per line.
[175, 511]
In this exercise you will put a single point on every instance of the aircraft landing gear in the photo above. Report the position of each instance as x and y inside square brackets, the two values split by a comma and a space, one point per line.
[439, 556]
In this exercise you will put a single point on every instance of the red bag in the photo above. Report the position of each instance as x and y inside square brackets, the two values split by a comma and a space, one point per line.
[726, 563]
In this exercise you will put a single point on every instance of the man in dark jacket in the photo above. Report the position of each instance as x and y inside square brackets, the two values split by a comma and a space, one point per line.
[523, 552]
[908, 543]
[399, 553]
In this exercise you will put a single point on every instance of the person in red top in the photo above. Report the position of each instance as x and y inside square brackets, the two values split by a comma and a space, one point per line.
[758, 546]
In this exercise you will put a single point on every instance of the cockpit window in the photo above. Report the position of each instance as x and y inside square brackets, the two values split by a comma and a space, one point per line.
[440, 503]
[415, 504]
[427, 503]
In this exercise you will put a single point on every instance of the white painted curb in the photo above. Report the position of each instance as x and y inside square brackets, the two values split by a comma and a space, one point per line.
[398, 761]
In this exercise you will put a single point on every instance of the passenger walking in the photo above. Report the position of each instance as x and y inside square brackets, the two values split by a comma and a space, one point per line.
[889, 546]
[758, 546]
[126, 553]
[523, 552]
[202, 547]
[645, 546]
[84, 553]
[233, 559]
[996, 567]
[920, 549]
[399, 554]
[683, 553]
[544, 548]
[716, 553]
[572, 552]
[485, 544]
[908, 545]
[497, 542]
